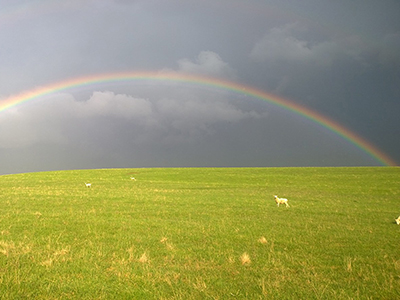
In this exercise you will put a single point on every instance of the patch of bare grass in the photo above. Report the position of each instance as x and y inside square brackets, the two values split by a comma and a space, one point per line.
[263, 240]
[144, 258]
[245, 259]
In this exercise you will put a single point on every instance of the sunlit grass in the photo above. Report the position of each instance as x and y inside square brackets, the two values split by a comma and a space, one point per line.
[201, 233]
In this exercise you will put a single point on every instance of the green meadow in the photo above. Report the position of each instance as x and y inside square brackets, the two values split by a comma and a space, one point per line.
[201, 233]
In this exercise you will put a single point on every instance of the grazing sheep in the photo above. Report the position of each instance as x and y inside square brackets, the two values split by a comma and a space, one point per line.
[398, 220]
[133, 178]
[88, 185]
[281, 201]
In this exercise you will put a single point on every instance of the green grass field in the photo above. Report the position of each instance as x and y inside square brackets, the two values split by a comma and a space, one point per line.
[201, 233]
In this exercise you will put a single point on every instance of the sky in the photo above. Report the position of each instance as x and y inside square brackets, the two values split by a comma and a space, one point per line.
[339, 60]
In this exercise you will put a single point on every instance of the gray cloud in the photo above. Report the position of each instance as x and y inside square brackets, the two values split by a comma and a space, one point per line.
[279, 44]
[289, 45]
[62, 119]
[207, 63]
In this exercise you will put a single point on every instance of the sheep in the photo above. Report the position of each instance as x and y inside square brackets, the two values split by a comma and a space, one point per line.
[133, 178]
[398, 220]
[281, 201]
[88, 185]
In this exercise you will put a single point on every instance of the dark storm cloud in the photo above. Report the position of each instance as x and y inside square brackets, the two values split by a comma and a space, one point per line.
[341, 59]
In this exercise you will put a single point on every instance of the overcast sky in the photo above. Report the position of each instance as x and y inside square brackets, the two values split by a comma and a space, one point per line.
[340, 59]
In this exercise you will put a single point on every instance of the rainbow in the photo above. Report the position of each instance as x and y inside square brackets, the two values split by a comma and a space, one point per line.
[175, 77]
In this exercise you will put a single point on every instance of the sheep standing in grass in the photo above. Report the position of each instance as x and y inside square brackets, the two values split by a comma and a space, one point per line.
[88, 185]
[281, 201]
[133, 178]
[398, 220]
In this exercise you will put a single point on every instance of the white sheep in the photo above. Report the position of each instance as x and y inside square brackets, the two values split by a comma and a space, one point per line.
[398, 220]
[133, 178]
[88, 185]
[281, 201]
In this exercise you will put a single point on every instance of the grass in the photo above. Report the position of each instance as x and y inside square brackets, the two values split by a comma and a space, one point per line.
[202, 233]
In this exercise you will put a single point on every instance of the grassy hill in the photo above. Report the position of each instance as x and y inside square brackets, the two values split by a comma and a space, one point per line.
[201, 233]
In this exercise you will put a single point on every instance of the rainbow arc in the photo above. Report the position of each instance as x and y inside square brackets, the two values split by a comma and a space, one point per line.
[235, 87]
